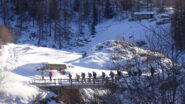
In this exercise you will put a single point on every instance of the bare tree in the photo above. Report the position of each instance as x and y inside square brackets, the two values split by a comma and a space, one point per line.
[162, 41]
[166, 85]
[178, 23]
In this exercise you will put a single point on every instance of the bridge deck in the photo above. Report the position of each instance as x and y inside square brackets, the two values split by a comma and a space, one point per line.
[72, 83]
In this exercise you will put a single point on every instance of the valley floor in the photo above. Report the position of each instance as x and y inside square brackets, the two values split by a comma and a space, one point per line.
[21, 61]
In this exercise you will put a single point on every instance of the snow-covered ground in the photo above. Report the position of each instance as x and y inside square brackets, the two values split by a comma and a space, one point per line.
[115, 30]
[20, 61]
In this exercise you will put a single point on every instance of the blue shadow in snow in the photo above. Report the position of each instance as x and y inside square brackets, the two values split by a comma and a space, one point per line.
[28, 69]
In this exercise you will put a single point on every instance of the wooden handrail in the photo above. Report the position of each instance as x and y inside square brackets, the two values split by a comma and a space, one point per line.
[72, 82]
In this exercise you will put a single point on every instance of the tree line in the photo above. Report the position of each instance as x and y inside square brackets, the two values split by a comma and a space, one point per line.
[53, 18]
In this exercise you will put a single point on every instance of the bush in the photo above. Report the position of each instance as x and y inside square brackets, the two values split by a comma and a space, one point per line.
[5, 35]
[71, 96]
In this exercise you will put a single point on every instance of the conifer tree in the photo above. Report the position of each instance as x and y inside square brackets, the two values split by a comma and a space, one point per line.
[94, 19]
[178, 24]
[108, 12]
[76, 5]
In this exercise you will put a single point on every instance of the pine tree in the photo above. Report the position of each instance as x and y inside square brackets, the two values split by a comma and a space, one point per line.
[86, 10]
[33, 10]
[108, 12]
[126, 5]
[53, 10]
[178, 24]
[66, 29]
[94, 19]
[80, 22]
[76, 5]
[54, 15]
[40, 20]
[21, 8]
[4, 12]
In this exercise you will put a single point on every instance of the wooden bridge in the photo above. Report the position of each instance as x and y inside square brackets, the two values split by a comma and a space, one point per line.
[73, 83]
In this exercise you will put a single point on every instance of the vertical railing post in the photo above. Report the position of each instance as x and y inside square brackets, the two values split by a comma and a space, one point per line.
[71, 81]
[54, 81]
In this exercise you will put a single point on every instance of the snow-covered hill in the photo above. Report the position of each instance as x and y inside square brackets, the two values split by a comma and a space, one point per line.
[113, 29]
[20, 61]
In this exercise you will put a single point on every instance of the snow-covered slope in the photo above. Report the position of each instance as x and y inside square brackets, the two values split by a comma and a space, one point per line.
[20, 61]
[110, 53]
[23, 60]
[109, 30]
[131, 31]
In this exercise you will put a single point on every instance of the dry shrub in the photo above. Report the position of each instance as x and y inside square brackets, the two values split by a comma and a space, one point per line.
[5, 35]
[71, 96]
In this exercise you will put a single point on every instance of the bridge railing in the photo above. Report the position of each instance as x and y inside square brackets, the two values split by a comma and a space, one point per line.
[67, 82]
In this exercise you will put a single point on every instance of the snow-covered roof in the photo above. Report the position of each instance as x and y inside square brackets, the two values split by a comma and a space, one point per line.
[140, 13]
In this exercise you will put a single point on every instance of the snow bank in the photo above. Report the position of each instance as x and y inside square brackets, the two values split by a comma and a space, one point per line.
[15, 88]
[106, 54]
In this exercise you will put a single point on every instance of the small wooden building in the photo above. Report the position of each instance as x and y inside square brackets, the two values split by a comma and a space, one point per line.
[143, 15]
[58, 67]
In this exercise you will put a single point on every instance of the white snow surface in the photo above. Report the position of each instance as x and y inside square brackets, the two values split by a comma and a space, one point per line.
[19, 62]
[131, 31]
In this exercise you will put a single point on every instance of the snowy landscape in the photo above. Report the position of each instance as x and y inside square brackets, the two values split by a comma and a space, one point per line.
[143, 44]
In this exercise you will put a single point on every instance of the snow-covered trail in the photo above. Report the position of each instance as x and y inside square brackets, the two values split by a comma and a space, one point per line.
[20, 63]
[9, 58]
